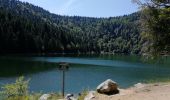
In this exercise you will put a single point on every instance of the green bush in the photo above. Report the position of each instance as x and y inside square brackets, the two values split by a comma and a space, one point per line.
[17, 89]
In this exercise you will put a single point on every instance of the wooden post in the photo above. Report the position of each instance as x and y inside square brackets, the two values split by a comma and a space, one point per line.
[63, 67]
[63, 85]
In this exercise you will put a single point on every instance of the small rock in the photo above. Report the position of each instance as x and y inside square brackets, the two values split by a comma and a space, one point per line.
[45, 96]
[90, 95]
[70, 97]
[108, 87]
[139, 85]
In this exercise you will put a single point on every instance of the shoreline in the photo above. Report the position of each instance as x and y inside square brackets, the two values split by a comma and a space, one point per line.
[140, 91]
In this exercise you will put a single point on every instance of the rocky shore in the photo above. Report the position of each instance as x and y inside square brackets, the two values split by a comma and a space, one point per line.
[155, 91]
[109, 90]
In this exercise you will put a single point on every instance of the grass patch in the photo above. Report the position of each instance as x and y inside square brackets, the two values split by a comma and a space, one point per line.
[19, 91]
[34, 96]
[55, 97]
[83, 95]
[163, 80]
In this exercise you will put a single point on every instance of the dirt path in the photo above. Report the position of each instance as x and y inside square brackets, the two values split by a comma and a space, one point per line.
[159, 91]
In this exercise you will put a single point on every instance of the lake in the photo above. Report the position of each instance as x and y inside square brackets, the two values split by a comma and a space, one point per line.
[85, 72]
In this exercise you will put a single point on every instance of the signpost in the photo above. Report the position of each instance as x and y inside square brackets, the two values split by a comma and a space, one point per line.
[63, 67]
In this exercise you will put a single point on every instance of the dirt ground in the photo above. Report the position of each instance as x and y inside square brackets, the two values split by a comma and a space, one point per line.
[157, 91]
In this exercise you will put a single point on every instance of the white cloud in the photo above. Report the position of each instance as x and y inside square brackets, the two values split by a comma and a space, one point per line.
[67, 6]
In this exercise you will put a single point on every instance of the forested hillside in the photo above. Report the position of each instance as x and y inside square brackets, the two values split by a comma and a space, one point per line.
[25, 28]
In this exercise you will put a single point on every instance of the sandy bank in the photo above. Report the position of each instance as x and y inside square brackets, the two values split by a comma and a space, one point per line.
[157, 91]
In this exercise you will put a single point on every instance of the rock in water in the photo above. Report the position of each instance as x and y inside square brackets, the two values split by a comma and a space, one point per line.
[45, 97]
[108, 87]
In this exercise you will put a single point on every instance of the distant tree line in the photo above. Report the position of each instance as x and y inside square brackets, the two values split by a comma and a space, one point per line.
[25, 28]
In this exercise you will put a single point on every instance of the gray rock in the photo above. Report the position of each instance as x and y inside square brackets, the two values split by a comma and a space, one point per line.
[70, 97]
[108, 87]
[139, 85]
[90, 95]
[45, 97]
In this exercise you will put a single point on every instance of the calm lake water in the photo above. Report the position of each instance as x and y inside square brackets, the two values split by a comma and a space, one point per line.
[86, 72]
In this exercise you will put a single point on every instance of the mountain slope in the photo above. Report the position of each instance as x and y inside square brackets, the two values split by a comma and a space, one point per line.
[26, 28]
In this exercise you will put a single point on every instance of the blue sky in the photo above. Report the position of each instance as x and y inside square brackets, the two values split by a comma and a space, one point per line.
[91, 8]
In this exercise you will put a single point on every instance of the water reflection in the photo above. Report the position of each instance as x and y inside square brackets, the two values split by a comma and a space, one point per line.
[22, 66]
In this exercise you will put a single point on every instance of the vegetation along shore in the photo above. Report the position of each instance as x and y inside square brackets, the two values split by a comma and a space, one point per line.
[128, 48]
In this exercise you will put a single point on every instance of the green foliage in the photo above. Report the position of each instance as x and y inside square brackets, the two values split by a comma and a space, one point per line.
[162, 80]
[18, 98]
[55, 96]
[156, 27]
[25, 28]
[83, 95]
[34, 96]
[17, 89]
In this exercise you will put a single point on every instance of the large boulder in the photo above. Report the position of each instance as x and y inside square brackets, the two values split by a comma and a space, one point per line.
[108, 87]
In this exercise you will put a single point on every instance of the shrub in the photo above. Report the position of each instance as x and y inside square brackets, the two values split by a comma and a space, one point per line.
[17, 89]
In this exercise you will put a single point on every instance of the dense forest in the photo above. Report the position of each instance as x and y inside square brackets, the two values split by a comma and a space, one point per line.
[155, 26]
[25, 28]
